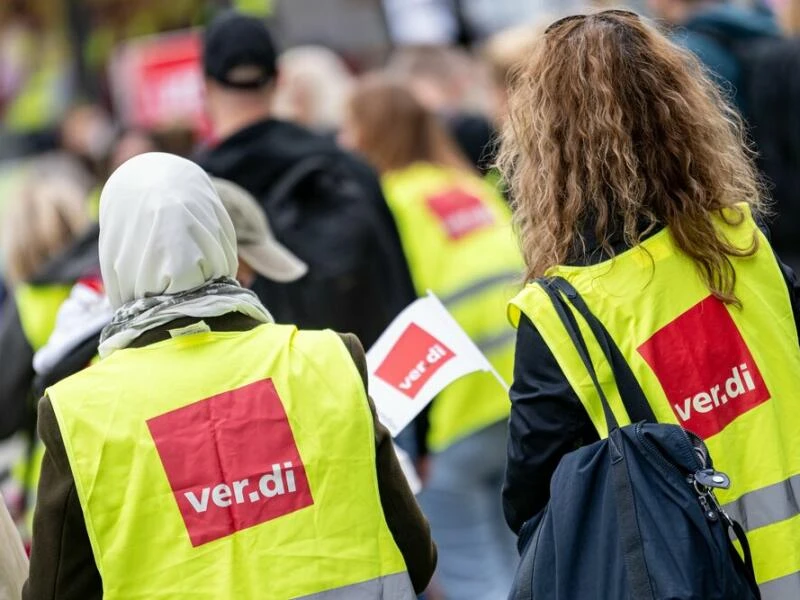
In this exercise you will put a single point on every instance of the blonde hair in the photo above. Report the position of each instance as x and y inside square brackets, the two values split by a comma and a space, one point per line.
[395, 130]
[313, 87]
[43, 218]
[612, 125]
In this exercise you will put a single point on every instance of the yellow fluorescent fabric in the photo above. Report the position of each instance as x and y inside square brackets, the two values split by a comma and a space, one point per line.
[457, 238]
[123, 419]
[38, 306]
[654, 288]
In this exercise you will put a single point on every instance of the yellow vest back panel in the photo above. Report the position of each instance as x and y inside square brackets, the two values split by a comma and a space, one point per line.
[457, 237]
[229, 465]
[731, 375]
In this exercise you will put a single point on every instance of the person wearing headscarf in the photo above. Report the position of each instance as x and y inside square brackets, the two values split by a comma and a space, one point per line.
[211, 452]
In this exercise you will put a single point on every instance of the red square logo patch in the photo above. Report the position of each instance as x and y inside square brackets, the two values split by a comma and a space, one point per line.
[415, 358]
[231, 461]
[707, 372]
[460, 213]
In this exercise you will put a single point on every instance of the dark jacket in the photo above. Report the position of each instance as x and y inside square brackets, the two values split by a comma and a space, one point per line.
[62, 564]
[548, 420]
[710, 31]
[16, 353]
[375, 284]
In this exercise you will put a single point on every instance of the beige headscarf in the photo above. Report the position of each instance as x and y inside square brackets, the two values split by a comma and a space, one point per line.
[167, 249]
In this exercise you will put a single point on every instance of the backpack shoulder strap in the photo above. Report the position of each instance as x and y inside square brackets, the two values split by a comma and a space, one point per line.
[298, 173]
[631, 393]
[632, 545]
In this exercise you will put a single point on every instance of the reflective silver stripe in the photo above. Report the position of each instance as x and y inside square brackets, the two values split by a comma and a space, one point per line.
[768, 505]
[478, 286]
[781, 588]
[491, 343]
[388, 587]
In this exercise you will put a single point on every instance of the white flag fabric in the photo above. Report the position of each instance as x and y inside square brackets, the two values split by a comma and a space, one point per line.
[422, 352]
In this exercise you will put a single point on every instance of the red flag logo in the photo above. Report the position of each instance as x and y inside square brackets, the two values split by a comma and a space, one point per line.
[460, 213]
[414, 359]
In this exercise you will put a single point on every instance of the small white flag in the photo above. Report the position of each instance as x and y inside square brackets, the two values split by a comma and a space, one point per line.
[422, 352]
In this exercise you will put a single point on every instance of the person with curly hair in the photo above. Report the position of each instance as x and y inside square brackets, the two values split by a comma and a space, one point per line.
[632, 182]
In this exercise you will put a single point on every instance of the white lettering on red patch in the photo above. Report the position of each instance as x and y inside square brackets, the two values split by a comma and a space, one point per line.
[705, 368]
[231, 461]
[415, 358]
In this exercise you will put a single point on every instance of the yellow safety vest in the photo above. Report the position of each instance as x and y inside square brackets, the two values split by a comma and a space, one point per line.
[731, 375]
[458, 241]
[37, 305]
[230, 465]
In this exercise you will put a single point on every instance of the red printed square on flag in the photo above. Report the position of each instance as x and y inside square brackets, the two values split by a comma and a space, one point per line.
[231, 461]
[413, 360]
[705, 368]
[460, 213]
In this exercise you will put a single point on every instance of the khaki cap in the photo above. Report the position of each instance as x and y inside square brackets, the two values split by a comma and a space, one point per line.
[256, 242]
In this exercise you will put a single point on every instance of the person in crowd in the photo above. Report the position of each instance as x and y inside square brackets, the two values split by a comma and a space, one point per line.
[446, 79]
[313, 86]
[458, 88]
[457, 237]
[44, 222]
[282, 434]
[75, 265]
[632, 181]
[127, 144]
[324, 205]
[715, 31]
[81, 318]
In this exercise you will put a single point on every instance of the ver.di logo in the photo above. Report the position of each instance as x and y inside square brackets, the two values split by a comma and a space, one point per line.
[231, 461]
[705, 368]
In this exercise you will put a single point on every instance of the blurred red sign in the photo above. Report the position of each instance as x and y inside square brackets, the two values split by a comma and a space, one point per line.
[158, 82]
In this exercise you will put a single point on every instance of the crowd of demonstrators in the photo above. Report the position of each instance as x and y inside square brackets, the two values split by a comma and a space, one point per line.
[333, 200]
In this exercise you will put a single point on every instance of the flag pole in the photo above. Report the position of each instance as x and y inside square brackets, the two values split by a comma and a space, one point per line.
[499, 378]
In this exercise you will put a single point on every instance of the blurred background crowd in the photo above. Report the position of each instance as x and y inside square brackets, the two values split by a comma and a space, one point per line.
[87, 84]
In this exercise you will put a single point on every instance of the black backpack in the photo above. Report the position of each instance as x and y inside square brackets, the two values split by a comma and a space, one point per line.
[634, 515]
[321, 212]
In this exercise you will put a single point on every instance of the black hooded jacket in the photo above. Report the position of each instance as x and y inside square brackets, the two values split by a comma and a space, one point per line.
[333, 217]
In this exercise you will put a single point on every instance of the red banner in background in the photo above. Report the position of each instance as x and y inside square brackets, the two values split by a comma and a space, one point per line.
[157, 82]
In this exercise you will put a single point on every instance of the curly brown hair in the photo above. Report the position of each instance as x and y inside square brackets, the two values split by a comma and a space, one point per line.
[610, 123]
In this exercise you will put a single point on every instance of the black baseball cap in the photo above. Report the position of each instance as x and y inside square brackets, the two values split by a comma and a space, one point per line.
[234, 40]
